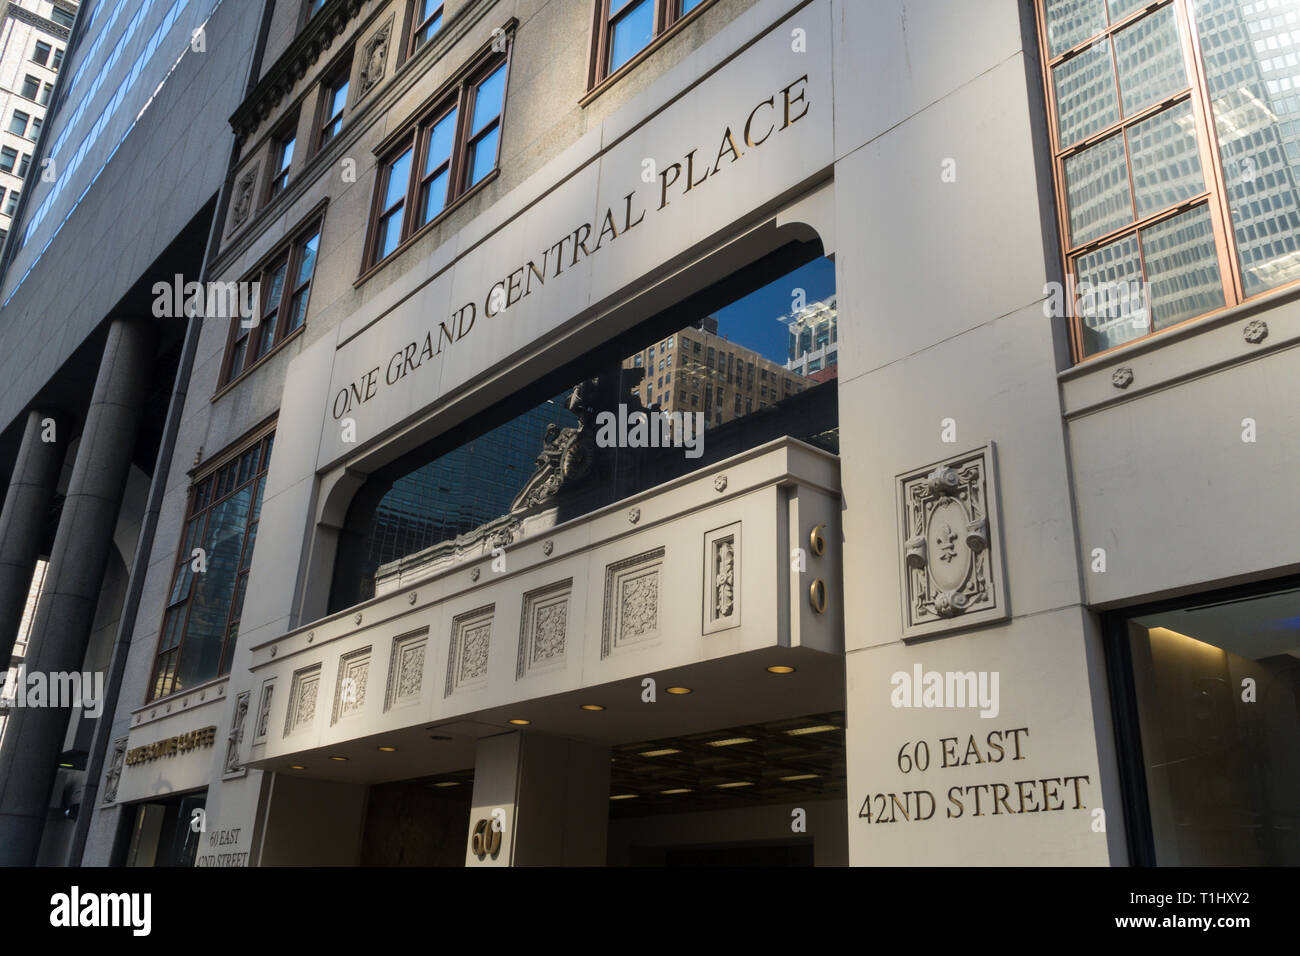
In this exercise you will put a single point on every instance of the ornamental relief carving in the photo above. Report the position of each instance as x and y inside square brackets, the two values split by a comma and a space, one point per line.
[952, 569]
[374, 56]
[241, 203]
[406, 669]
[232, 764]
[302, 699]
[114, 775]
[722, 579]
[471, 641]
[543, 631]
[632, 601]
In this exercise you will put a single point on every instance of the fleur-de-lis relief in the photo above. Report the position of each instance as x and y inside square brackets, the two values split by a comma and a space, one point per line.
[946, 540]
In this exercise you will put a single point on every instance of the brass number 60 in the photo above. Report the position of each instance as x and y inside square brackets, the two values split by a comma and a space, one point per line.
[486, 839]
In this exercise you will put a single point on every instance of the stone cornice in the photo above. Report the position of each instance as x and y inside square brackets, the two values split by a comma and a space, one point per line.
[38, 21]
[317, 37]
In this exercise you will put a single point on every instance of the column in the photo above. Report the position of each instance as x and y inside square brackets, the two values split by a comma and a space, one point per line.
[34, 738]
[538, 801]
[22, 521]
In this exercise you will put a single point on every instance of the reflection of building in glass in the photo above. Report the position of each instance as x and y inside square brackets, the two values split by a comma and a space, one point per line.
[719, 378]
[463, 489]
[1256, 99]
[814, 339]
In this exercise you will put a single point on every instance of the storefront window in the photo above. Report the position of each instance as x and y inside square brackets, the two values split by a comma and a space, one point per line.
[601, 429]
[1217, 693]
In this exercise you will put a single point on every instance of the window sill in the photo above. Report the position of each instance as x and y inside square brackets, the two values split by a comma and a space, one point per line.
[427, 227]
[646, 52]
[238, 379]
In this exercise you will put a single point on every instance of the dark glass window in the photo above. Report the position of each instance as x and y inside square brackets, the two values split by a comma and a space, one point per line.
[8, 158]
[482, 477]
[206, 599]
[62, 17]
[18, 122]
[31, 86]
[1217, 688]
[41, 53]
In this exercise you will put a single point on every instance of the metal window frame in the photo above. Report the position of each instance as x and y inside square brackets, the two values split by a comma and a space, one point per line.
[1215, 196]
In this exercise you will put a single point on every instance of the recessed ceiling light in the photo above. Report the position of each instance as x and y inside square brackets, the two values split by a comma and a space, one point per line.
[623, 796]
[296, 766]
[388, 750]
[593, 706]
[519, 721]
[816, 729]
[340, 759]
[737, 783]
[679, 690]
[660, 753]
[780, 669]
[668, 793]
[730, 741]
[801, 776]
[447, 783]
[66, 765]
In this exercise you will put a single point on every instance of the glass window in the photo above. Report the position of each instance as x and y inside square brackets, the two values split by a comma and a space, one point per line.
[451, 154]
[57, 60]
[62, 17]
[18, 122]
[1217, 688]
[1153, 231]
[334, 97]
[41, 53]
[31, 86]
[427, 22]
[24, 164]
[46, 90]
[8, 157]
[283, 289]
[629, 26]
[11, 206]
[282, 159]
[530, 455]
[201, 622]
[34, 131]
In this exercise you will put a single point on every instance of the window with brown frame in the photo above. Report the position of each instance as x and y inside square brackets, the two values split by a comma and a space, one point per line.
[426, 21]
[1175, 133]
[282, 158]
[283, 288]
[201, 622]
[626, 27]
[333, 100]
[451, 148]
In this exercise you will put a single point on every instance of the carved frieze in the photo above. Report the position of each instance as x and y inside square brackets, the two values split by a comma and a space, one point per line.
[264, 711]
[952, 569]
[302, 699]
[233, 766]
[467, 656]
[543, 628]
[633, 589]
[114, 775]
[374, 58]
[350, 694]
[406, 669]
[722, 578]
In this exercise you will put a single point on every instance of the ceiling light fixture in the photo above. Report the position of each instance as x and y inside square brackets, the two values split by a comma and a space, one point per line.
[730, 741]
[593, 706]
[780, 669]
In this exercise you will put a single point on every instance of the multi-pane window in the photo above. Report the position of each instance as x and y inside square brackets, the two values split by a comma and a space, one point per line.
[41, 53]
[18, 122]
[8, 158]
[46, 91]
[62, 17]
[426, 22]
[206, 599]
[11, 205]
[626, 27]
[334, 97]
[449, 149]
[34, 131]
[1162, 221]
[31, 86]
[284, 287]
[57, 60]
[281, 159]
[24, 164]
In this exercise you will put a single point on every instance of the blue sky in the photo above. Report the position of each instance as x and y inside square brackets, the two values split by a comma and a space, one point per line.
[752, 321]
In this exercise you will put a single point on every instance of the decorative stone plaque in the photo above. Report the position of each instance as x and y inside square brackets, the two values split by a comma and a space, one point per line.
[952, 570]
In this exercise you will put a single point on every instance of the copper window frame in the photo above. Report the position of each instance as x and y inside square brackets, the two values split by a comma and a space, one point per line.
[1215, 196]
[418, 25]
[667, 14]
[415, 137]
[262, 439]
[289, 253]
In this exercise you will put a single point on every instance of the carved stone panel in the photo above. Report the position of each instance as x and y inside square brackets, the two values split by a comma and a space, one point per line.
[302, 699]
[543, 628]
[467, 657]
[233, 766]
[350, 693]
[633, 592]
[722, 578]
[114, 775]
[951, 554]
[406, 669]
[374, 58]
[264, 711]
[241, 201]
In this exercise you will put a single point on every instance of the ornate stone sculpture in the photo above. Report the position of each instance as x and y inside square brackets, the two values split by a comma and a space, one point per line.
[952, 574]
[241, 203]
[375, 57]
[114, 775]
[236, 736]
